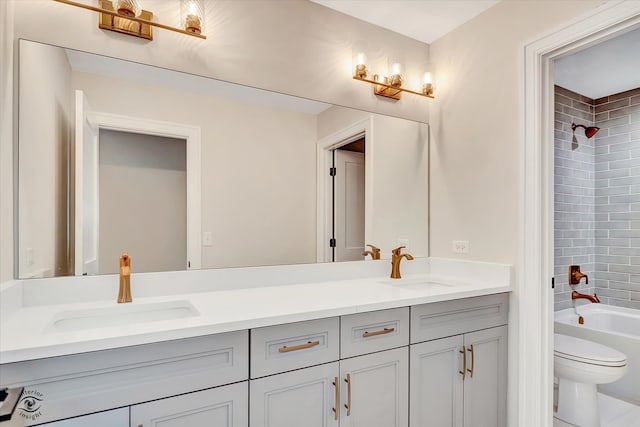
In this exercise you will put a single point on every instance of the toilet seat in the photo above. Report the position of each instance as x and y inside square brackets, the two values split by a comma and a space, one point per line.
[583, 351]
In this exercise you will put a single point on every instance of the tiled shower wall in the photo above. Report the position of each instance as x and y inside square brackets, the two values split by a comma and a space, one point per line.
[597, 204]
[574, 179]
[617, 201]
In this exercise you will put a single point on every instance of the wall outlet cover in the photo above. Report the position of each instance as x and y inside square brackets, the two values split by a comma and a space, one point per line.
[460, 246]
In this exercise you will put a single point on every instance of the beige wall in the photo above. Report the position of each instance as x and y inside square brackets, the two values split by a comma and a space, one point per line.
[142, 202]
[476, 122]
[44, 158]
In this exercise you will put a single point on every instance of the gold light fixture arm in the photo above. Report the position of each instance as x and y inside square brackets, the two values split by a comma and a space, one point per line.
[131, 18]
[396, 88]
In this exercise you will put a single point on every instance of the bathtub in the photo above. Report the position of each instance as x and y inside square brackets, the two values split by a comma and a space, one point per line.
[616, 327]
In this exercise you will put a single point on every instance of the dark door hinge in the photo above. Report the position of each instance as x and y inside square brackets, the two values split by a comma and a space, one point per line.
[332, 171]
[332, 243]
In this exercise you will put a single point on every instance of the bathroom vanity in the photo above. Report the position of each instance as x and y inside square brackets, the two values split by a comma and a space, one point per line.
[315, 345]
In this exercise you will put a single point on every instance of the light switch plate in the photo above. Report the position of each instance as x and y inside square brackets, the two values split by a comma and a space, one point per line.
[207, 238]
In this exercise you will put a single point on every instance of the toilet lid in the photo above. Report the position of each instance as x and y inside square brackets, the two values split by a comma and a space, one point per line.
[580, 350]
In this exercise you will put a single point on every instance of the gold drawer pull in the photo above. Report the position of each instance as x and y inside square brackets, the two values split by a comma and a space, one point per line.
[285, 349]
[335, 409]
[464, 363]
[382, 332]
[473, 361]
[348, 404]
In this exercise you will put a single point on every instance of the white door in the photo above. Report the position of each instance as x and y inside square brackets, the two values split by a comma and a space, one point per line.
[485, 390]
[86, 190]
[225, 406]
[349, 205]
[436, 388]
[306, 398]
[375, 389]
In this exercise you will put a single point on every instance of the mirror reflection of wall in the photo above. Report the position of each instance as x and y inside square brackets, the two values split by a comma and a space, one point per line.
[258, 163]
[142, 201]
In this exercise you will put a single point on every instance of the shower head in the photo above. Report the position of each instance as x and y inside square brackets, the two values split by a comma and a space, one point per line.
[589, 131]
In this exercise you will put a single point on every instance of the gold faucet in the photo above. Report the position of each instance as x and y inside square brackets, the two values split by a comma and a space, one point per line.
[396, 257]
[374, 252]
[593, 298]
[124, 293]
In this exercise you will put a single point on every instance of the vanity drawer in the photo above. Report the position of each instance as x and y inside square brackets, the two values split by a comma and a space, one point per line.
[291, 346]
[448, 318]
[374, 331]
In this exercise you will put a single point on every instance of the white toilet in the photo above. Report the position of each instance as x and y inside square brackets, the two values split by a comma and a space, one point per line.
[581, 365]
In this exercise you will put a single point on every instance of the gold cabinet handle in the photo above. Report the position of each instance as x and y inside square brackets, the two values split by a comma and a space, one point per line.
[464, 363]
[382, 332]
[348, 404]
[285, 349]
[336, 407]
[473, 359]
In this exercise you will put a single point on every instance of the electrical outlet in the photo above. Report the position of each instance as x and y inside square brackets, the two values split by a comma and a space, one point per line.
[460, 246]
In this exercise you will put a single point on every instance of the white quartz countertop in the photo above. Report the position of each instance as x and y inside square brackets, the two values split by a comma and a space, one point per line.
[35, 332]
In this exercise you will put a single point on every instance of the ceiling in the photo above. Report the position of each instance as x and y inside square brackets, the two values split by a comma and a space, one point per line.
[607, 68]
[423, 20]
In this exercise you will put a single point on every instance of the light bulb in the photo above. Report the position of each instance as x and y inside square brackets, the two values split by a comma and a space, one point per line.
[192, 16]
[427, 78]
[127, 7]
[361, 67]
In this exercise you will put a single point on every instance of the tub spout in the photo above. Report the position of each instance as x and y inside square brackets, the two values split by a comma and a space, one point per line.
[593, 298]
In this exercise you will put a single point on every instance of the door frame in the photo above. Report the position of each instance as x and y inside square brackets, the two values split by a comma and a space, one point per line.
[192, 135]
[532, 313]
[325, 146]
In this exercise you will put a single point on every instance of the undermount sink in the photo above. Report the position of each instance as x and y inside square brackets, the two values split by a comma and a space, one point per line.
[122, 314]
[421, 283]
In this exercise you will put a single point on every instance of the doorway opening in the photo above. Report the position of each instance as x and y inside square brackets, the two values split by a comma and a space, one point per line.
[89, 124]
[533, 312]
[142, 202]
[345, 199]
[347, 210]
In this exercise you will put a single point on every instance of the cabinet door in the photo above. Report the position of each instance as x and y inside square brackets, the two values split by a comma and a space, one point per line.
[436, 389]
[485, 389]
[307, 397]
[375, 389]
[225, 406]
[114, 418]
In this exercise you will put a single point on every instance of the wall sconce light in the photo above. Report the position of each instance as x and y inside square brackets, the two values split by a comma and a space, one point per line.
[389, 86]
[126, 17]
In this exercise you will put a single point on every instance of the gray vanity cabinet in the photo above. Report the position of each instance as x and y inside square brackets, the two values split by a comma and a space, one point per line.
[113, 418]
[306, 397]
[375, 389]
[459, 380]
[362, 383]
[225, 406]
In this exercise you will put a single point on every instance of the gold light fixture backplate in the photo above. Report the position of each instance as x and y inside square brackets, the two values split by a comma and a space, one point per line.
[124, 25]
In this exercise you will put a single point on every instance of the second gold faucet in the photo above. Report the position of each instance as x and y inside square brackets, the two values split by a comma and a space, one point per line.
[396, 257]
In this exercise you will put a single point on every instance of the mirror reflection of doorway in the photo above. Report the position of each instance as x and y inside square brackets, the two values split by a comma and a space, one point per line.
[348, 175]
[142, 201]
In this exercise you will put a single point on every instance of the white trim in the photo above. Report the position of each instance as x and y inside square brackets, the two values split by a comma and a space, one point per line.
[324, 148]
[534, 296]
[192, 134]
